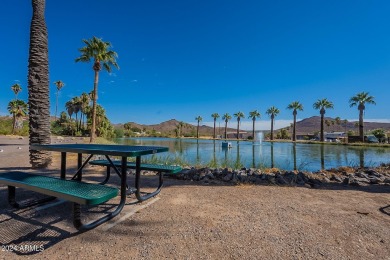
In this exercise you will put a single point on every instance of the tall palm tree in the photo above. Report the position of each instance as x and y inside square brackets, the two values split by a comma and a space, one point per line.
[179, 127]
[295, 106]
[99, 51]
[239, 115]
[17, 108]
[253, 115]
[360, 100]
[38, 86]
[59, 85]
[215, 116]
[226, 117]
[272, 112]
[16, 88]
[76, 101]
[322, 104]
[70, 108]
[198, 118]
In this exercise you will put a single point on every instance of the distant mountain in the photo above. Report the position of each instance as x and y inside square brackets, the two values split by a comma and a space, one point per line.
[168, 127]
[313, 124]
[306, 126]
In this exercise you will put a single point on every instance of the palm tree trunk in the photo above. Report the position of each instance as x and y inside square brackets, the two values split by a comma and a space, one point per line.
[13, 123]
[238, 128]
[214, 126]
[225, 130]
[77, 123]
[272, 127]
[253, 130]
[81, 117]
[55, 115]
[38, 86]
[197, 131]
[93, 127]
[322, 127]
[295, 120]
[361, 127]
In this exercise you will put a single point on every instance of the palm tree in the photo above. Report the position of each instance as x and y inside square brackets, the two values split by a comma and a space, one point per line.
[70, 108]
[226, 117]
[85, 99]
[16, 88]
[215, 116]
[272, 112]
[102, 57]
[345, 122]
[179, 128]
[38, 86]
[295, 105]
[239, 115]
[198, 118]
[360, 100]
[59, 85]
[17, 108]
[322, 104]
[76, 101]
[253, 115]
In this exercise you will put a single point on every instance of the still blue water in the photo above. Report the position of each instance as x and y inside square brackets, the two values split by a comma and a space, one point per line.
[286, 156]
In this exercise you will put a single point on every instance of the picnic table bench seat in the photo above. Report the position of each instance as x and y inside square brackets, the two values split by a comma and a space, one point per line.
[71, 190]
[160, 168]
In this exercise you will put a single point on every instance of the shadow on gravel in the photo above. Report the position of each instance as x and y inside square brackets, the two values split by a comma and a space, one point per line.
[32, 230]
[385, 210]
[16, 144]
[29, 231]
[24, 235]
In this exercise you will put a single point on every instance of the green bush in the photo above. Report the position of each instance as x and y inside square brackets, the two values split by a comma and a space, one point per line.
[6, 127]
[119, 132]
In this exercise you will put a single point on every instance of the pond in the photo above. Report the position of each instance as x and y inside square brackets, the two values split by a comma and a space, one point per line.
[284, 155]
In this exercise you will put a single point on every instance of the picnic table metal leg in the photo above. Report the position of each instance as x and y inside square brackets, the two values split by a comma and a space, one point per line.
[108, 175]
[13, 203]
[63, 165]
[138, 179]
[77, 209]
[80, 166]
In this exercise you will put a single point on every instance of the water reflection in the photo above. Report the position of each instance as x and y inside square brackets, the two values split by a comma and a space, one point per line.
[322, 148]
[361, 158]
[272, 155]
[197, 152]
[295, 155]
[238, 164]
[253, 157]
[286, 156]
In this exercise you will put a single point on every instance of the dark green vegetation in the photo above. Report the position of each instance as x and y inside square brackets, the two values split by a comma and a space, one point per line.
[78, 119]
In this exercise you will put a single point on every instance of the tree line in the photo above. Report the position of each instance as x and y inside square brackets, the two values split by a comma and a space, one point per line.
[360, 100]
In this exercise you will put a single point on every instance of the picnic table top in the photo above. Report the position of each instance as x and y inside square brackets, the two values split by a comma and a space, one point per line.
[103, 149]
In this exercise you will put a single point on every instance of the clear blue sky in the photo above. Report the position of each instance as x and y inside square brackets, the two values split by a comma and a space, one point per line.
[181, 59]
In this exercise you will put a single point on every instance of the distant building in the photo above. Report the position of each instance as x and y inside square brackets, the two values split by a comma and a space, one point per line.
[334, 136]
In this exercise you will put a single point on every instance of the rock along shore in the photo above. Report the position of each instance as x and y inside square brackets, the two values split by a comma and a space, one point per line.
[344, 175]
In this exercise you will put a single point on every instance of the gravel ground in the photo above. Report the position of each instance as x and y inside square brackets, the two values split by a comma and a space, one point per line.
[196, 221]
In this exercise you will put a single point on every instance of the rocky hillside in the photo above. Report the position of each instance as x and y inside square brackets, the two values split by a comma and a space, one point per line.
[168, 127]
[313, 124]
[309, 125]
